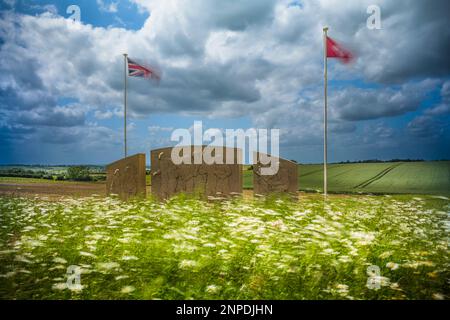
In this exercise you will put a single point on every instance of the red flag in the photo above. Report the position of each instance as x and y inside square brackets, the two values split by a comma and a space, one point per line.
[335, 50]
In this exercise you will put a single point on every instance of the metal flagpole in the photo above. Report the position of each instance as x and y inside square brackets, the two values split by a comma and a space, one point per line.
[125, 104]
[325, 116]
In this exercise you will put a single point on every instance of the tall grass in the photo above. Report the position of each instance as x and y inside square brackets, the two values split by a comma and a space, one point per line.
[187, 248]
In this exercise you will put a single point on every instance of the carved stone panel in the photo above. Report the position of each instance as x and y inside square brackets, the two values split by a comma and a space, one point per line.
[214, 179]
[285, 180]
[126, 177]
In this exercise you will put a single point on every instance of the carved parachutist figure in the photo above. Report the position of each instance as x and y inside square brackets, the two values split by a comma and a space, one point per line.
[129, 179]
[223, 174]
[278, 182]
[114, 179]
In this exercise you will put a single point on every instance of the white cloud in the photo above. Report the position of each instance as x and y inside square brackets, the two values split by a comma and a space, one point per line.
[67, 116]
[158, 129]
[438, 110]
[108, 114]
[10, 3]
[426, 127]
[107, 7]
[261, 59]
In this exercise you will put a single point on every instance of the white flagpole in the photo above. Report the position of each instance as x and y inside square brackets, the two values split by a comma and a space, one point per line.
[325, 116]
[125, 104]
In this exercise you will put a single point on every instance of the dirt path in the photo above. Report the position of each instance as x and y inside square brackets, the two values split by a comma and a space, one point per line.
[52, 189]
[56, 190]
[75, 189]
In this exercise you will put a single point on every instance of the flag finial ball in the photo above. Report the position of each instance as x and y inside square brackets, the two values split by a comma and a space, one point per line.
[325, 28]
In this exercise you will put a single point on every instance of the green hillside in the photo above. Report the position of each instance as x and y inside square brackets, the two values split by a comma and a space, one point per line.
[394, 177]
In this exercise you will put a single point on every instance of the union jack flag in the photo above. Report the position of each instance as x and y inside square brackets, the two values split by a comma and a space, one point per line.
[138, 70]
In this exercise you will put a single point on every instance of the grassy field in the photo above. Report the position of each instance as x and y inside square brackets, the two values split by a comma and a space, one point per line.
[401, 177]
[49, 169]
[236, 249]
[19, 180]
[396, 177]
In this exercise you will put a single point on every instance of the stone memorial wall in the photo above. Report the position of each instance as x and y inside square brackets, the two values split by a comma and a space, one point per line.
[126, 177]
[285, 180]
[169, 178]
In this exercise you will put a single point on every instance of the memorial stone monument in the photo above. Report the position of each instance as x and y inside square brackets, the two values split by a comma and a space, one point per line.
[126, 177]
[215, 179]
[285, 180]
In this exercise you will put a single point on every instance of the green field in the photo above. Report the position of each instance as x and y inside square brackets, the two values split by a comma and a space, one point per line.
[19, 180]
[431, 177]
[394, 177]
[186, 248]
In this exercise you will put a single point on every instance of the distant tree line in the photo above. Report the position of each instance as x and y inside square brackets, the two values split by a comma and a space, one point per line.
[72, 173]
[381, 161]
[24, 173]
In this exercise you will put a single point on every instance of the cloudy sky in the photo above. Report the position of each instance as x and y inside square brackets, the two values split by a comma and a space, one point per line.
[231, 64]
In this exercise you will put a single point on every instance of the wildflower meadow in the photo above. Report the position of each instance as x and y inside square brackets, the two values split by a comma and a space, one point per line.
[345, 247]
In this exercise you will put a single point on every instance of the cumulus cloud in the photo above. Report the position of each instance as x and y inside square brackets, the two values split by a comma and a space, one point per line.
[261, 59]
[444, 107]
[156, 129]
[10, 3]
[56, 117]
[15, 132]
[362, 104]
[440, 109]
[426, 127]
[107, 7]
[412, 42]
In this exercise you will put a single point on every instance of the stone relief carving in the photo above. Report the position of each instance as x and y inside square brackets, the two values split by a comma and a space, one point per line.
[208, 179]
[126, 177]
[284, 181]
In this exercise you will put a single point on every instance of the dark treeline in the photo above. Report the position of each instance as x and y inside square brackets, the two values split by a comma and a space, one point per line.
[74, 173]
[46, 166]
[382, 161]
[24, 173]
